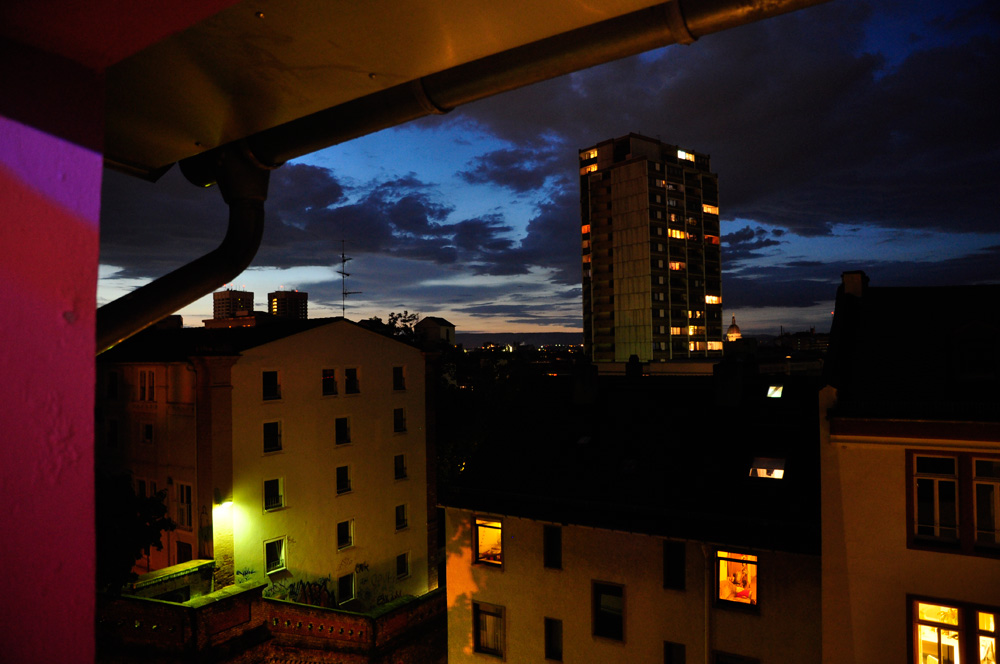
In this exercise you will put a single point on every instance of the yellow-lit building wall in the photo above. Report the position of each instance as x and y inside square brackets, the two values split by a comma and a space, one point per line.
[868, 571]
[309, 457]
[630, 211]
[783, 628]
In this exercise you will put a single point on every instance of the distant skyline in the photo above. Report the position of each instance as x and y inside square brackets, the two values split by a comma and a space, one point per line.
[846, 136]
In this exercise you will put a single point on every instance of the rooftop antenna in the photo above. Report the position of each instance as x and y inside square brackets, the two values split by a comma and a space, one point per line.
[343, 281]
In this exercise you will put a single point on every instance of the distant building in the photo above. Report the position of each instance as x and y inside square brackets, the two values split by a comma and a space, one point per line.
[652, 272]
[910, 450]
[231, 303]
[733, 333]
[433, 331]
[288, 304]
[293, 453]
[242, 319]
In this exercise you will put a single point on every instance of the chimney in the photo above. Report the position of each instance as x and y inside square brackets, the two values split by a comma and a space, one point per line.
[855, 283]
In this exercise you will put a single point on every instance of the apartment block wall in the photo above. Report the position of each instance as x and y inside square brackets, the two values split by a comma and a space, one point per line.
[868, 570]
[783, 627]
[309, 457]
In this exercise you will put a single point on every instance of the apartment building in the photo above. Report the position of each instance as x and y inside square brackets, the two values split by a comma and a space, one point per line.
[293, 452]
[650, 237]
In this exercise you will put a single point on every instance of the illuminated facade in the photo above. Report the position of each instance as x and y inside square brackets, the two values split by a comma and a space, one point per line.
[910, 450]
[650, 236]
[293, 453]
[230, 303]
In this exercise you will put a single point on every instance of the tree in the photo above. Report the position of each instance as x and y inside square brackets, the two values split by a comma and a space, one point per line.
[399, 327]
[127, 526]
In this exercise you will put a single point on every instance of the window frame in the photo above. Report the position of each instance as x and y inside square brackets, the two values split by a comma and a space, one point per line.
[282, 555]
[399, 420]
[399, 378]
[268, 395]
[552, 546]
[966, 508]
[553, 630]
[341, 544]
[329, 382]
[476, 525]
[401, 510]
[729, 555]
[348, 487]
[336, 431]
[352, 380]
[598, 627]
[340, 588]
[185, 509]
[279, 427]
[967, 626]
[281, 494]
[499, 614]
[399, 467]
[405, 558]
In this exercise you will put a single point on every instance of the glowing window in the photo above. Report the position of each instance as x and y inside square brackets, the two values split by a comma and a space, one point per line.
[676, 330]
[695, 314]
[588, 169]
[588, 154]
[585, 229]
[661, 183]
[711, 239]
[697, 345]
[737, 581]
[586, 259]
[489, 542]
[681, 154]
[586, 244]
[937, 633]
[715, 345]
[696, 330]
[773, 468]
[677, 265]
[713, 299]
[710, 209]
[680, 235]
[774, 391]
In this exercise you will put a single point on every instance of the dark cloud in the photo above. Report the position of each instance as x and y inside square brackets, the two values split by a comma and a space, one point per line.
[520, 169]
[746, 243]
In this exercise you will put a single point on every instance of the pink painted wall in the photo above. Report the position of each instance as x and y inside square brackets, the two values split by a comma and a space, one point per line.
[49, 211]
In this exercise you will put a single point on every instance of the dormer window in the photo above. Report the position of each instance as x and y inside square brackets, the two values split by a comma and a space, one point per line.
[764, 467]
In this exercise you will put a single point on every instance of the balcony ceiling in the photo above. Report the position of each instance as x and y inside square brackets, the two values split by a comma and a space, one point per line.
[185, 76]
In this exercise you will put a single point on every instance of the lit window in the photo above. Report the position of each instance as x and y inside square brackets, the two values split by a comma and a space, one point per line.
[942, 632]
[588, 169]
[696, 330]
[712, 239]
[774, 391]
[274, 555]
[402, 565]
[710, 209]
[343, 479]
[936, 497]
[697, 345]
[345, 588]
[487, 628]
[986, 628]
[399, 466]
[937, 633]
[737, 577]
[585, 244]
[345, 534]
[609, 611]
[184, 505]
[695, 314]
[274, 497]
[987, 490]
[398, 378]
[329, 382]
[399, 420]
[681, 154]
[272, 436]
[585, 229]
[588, 154]
[553, 639]
[352, 385]
[489, 542]
[713, 299]
[715, 345]
[342, 429]
[400, 517]
[773, 468]
[586, 259]
[677, 265]
[676, 330]
[679, 235]
[271, 385]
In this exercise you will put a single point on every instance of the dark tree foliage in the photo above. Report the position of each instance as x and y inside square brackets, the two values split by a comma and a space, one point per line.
[399, 326]
[127, 525]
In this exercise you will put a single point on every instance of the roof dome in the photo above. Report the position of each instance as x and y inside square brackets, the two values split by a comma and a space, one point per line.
[733, 333]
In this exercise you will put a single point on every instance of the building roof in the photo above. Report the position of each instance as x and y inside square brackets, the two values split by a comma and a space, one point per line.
[435, 320]
[656, 455]
[177, 345]
[944, 368]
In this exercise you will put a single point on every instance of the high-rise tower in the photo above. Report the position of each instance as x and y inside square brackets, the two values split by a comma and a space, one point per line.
[652, 269]
[288, 304]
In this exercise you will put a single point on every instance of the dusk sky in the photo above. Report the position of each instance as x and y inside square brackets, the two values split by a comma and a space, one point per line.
[846, 136]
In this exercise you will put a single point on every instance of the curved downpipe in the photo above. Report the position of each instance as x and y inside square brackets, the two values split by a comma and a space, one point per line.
[243, 184]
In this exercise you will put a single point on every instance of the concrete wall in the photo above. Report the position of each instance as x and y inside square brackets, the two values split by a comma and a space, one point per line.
[309, 458]
[783, 628]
